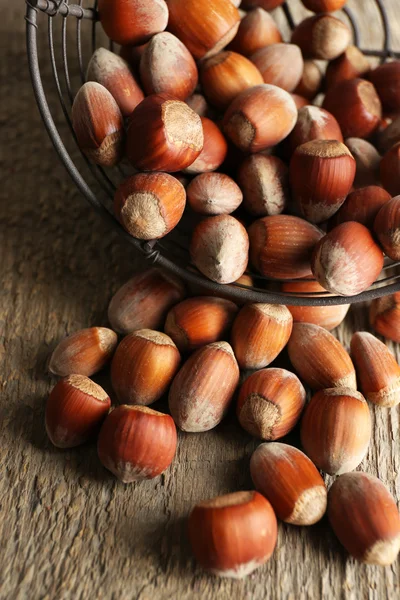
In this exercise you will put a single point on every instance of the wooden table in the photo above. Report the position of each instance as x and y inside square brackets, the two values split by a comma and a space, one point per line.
[68, 529]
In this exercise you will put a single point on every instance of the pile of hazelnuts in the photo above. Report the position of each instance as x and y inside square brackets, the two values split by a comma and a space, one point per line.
[223, 103]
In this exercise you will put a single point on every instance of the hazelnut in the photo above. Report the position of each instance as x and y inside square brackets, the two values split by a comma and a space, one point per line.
[113, 72]
[84, 352]
[203, 388]
[280, 64]
[270, 403]
[132, 22]
[386, 79]
[336, 430]
[264, 181]
[219, 248]
[389, 136]
[329, 316]
[356, 106]
[149, 205]
[214, 150]
[311, 80]
[322, 36]
[364, 516]
[225, 75]
[144, 301]
[144, 366]
[390, 170]
[265, 4]
[300, 101]
[196, 322]
[198, 103]
[232, 535]
[281, 246]
[367, 161]
[167, 67]
[387, 228]
[321, 176]
[204, 28]
[98, 124]
[384, 316]
[349, 65]
[214, 194]
[362, 205]
[74, 411]
[314, 123]
[319, 6]
[257, 29]
[377, 369]
[136, 443]
[170, 134]
[347, 260]
[260, 118]
[259, 334]
[319, 358]
[290, 481]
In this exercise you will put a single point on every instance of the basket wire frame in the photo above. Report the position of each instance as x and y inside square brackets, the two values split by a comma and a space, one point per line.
[163, 252]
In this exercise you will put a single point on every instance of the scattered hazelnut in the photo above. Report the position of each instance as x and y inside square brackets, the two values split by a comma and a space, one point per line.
[386, 79]
[144, 366]
[377, 369]
[389, 136]
[367, 161]
[150, 205]
[321, 176]
[259, 334]
[281, 246]
[214, 194]
[322, 36]
[329, 317]
[144, 301]
[319, 358]
[260, 118]
[314, 123]
[214, 150]
[390, 170]
[290, 481]
[311, 80]
[196, 322]
[170, 134]
[74, 411]
[336, 430]
[225, 75]
[347, 260]
[387, 228]
[349, 65]
[232, 535]
[264, 181]
[136, 443]
[319, 6]
[167, 67]
[204, 28]
[362, 205]
[356, 106]
[220, 248]
[364, 516]
[133, 22]
[203, 388]
[384, 316]
[270, 403]
[280, 64]
[113, 72]
[257, 29]
[98, 124]
[84, 352]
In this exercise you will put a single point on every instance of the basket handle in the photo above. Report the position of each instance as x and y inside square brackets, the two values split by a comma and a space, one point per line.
[59, 7]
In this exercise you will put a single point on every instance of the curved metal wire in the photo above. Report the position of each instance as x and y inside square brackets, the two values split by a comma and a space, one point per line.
[167, 253]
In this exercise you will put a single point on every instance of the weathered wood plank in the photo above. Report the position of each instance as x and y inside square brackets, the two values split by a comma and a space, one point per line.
[68, 530]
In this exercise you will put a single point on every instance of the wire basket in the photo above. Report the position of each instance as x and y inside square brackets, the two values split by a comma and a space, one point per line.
[172, 251]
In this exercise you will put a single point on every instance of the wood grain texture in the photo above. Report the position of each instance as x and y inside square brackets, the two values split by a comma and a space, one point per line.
[68, 529]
